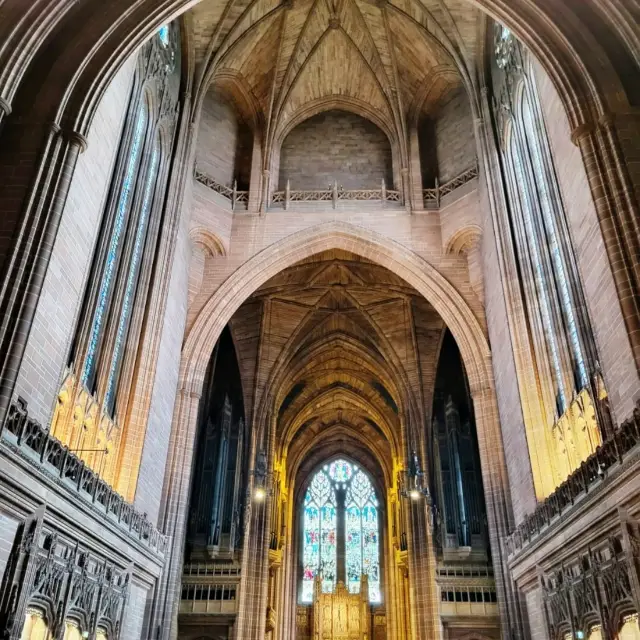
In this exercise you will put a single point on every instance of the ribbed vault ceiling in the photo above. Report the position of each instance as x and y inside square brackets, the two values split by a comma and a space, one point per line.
[390, 58]
[337, 349]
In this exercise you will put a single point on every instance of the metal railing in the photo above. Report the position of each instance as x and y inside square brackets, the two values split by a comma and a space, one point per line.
[435, 194]
[230, 193]
[209, 598]
[622, 445]
[205, 569]
[51, 455]
[465, 571]
[335, 194]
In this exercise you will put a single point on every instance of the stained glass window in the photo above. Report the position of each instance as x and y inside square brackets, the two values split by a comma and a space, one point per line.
[552, 236]
[115, 243]
[320, 533]
[341, 488]
[163, 34]
[132, 276]
[362, 550]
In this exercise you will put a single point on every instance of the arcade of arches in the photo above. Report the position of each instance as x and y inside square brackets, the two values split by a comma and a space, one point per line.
[320, 320]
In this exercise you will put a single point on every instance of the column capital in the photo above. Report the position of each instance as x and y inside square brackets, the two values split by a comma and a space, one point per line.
[579, 132]
[5, 106]
[77, 139]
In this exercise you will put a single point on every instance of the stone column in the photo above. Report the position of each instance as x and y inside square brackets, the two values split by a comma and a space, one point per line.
[251, 620]
[5, 109]
[618, 217]
[173, 519]
[29, 257]
[498, 503]
[425, 616]
[266, 190]
[415, 173]
[406, 189]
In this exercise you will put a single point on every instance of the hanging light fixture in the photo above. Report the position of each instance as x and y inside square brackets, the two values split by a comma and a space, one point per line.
[413, 484]
[260, 477]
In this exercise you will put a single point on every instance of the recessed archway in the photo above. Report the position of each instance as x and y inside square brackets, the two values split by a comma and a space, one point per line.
[418, 273]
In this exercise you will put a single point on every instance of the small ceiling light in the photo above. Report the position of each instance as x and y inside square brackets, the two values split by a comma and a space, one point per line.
[414, 494]
[260, 494]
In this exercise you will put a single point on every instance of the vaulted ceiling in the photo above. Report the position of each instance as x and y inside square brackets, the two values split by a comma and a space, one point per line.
[386, 59]
[338, 351]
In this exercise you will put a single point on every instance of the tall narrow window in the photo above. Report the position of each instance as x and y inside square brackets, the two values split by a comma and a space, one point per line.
[320, 532]
[132, 276]
[340, 492]
[115, 247]
[99, 391]
[560, 384]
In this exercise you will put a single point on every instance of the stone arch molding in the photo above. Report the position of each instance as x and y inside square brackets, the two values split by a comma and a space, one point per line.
[416, 271]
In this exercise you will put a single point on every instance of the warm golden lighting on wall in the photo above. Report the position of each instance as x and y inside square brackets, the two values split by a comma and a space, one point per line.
[573, 437]
[80, 423]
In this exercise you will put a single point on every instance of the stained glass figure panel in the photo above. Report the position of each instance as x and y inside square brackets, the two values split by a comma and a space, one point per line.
[361, 522]
[319, 554]
[353, 548]
[340, 471]
[328, 548]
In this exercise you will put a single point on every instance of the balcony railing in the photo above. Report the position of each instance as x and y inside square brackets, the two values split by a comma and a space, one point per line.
[335, 194]
[621, 446]
[209, 598]
[207, 569]
[30, 437]
[434, 196]
[230, 193]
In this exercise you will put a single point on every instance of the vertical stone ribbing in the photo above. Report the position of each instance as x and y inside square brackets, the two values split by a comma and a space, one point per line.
[31, 254]
[620, 239]
[173, 519]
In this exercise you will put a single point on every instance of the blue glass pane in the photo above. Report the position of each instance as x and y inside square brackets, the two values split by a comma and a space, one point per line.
[319, 553]
[554, 245]
[132, 276]
[340, 471]
[362, 549]
[540, 280]
[114, 246]
[163, 34]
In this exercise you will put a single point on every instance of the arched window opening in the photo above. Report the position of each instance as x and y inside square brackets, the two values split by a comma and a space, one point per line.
[132, 276]
[35, 627]
[566, 407]
[103, 361]
[114, 247]
[630, 628]
[341, 534]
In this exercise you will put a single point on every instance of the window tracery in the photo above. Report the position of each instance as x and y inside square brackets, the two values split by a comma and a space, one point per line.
[341, 492]
[92, 403]
[559, 341]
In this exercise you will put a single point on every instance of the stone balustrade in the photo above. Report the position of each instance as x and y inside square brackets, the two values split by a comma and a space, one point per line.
[232, 194]
[433, 196]
[48, 454]
[621, 447]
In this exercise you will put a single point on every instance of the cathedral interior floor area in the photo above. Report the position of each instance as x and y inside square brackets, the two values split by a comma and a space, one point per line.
[320, 319]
